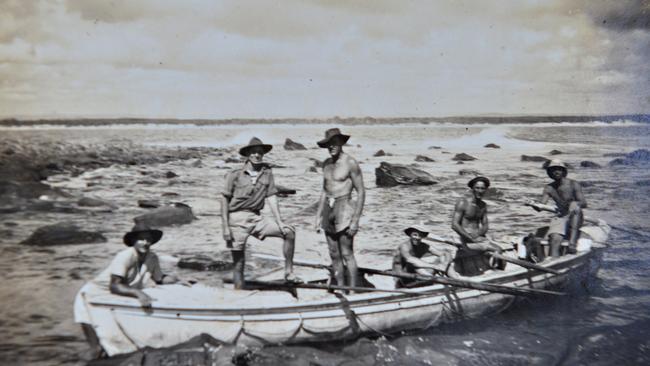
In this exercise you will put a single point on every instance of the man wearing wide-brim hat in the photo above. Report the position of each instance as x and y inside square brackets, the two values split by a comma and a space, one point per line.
[470, 222]
[244, 195]
[338, 213]
[132, 270]
[569, 199]
[407, 258]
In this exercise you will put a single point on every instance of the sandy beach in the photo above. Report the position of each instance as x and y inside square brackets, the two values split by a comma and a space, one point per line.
[47, 171]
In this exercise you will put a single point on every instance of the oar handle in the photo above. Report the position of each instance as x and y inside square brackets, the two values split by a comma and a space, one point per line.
[440, 239]
[549, 208]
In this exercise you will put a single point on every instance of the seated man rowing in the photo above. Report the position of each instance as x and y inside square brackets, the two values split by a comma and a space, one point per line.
[132, 270]
[569, 199]
[470, 221]
[408, 257]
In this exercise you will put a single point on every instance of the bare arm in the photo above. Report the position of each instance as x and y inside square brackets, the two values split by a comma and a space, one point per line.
[579, 195]
[545, 196]
[227, 234]
[415, 261]
[457, 221]
[319, 210]
[357, 183]
[484, 224]
[119, 287]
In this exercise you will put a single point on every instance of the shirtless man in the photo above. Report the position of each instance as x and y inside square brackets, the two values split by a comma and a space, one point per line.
[337, 214]
[408, 257]
[568, 197]
[470, 221]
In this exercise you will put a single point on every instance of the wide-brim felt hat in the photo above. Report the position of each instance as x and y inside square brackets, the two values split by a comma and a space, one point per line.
[556, 164]
[141, 229]
[333, 133]
[255, 142]
[418, 228]
[475, 180]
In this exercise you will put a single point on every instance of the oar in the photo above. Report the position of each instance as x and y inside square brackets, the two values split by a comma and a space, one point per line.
[589, 220]
[435, 279]
[504, 258]
[316, 286]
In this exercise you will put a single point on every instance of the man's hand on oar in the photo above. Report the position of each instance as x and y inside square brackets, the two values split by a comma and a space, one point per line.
[510, 290]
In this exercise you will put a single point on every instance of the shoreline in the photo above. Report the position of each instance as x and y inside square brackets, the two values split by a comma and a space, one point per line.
[460, 120]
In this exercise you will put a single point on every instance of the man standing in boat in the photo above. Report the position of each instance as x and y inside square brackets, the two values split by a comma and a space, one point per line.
[568, 197]
[132, 270]
[243, 198]
[408, 257]
[337, 214]
[470, 222]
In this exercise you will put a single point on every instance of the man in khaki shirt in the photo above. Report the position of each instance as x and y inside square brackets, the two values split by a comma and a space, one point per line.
[242, 200]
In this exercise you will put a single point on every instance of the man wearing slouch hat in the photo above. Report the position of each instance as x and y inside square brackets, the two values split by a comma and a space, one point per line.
[338, 214]
[242, 200]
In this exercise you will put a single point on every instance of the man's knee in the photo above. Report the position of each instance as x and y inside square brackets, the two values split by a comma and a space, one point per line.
[291, 233]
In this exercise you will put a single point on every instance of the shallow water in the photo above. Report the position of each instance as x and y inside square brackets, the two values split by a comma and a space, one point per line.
[603, 321]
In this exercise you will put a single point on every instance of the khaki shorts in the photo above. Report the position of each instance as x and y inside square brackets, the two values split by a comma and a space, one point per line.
[559, 225]
[246, 223]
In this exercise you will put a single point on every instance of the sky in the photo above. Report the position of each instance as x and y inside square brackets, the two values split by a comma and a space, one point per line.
[320, 59]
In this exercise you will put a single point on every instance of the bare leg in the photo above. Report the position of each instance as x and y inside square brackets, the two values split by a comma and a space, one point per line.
[574, 230]
[95, 348]
[346, 245]
[288, 249]
[555, 241]
[239, 261]
[337, 259]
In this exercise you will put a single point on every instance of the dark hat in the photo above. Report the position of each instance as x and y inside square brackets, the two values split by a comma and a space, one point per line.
[331, 134]
[475, 180]
[556, 164]
[141, 229]
[254, 142]
[418, 228]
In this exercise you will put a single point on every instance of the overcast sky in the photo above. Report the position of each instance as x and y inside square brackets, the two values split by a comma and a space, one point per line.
[274, 59]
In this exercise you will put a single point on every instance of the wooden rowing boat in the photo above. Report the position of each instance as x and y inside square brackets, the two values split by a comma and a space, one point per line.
[255, 318]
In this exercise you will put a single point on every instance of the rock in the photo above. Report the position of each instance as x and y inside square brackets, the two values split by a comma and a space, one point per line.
[555, 152]
[170, 194]
[390, 175]
[284, 191]
[174, 214]
[146, 182]
[460, 163]
[643, 183]
[469, 172]
[381, 153]
[63, 233]
[492, 146]
[197, 164]
[422, 158]
[434, 147]
[29, 190]
[170, 175]
[204, 263]
[311, 169]
[463, 157]
[292, 145]
[641, 156]
[317, 163]
[148, 203]
[93, 202]
[232, 160]
[589, 164]
[534, 158]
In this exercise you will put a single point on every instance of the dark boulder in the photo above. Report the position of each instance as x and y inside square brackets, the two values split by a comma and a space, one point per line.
[317, 163]
[643, 183]
[232, 160]
[174, 214]
[469, 172]
[170, 175]
[284, 191]
[424, 159]
[534, 158]
[492, 146]
[555, 152]
[463, 157]
[637, 157]
[390, 175]
[29, 190]
[311, 169]
[93, 202]
[589, 164]
[434, 147]
[62, 234]
[292, 145]
[204, 263]
[148, 203]
[381, 153]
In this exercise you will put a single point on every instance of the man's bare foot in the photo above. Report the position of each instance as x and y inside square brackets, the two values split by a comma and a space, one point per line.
[290, 277]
